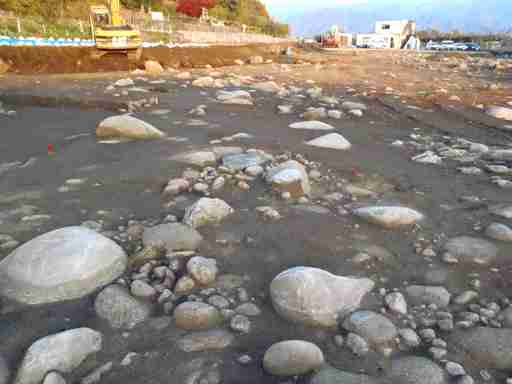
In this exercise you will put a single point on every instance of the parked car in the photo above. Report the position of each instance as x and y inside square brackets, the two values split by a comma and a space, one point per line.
[473, 47]
[460, 47]
[448, 45]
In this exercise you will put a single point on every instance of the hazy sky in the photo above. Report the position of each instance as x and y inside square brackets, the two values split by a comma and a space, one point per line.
[282, 7]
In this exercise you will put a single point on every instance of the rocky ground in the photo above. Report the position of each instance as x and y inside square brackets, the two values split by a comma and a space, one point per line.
[321, 219]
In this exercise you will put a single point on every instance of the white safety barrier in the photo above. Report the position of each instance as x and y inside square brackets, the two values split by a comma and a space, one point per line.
[49, 42]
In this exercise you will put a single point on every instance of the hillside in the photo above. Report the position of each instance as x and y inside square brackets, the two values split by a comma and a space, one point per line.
[463, 15]
[249, 12]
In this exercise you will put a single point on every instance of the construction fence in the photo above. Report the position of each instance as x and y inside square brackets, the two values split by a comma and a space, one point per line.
[170, 30]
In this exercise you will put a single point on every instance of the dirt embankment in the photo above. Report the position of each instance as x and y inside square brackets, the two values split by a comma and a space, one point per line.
[52, 60]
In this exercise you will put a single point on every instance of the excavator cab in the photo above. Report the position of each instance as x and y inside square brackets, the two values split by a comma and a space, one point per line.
[112, 34]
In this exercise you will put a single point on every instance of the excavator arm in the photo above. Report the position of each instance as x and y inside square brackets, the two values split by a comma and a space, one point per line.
[115, 11]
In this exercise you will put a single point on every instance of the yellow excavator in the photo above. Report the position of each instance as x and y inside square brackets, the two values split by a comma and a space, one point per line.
[112, 34]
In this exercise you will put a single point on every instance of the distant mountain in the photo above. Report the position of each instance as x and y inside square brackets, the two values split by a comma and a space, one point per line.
[445, 15]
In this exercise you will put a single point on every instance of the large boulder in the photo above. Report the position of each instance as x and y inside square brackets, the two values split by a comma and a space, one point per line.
[173, 236]
[415, 370]
[129, 127]
[64, 264]
[329, 375]
[206, 211]
[267, 86]
[351, 105]
[499, 232]
[486, 347]
[375, 328]
[239, 162]
[499, 112]
[471, 250]
[197, 316]
[312, 125]
[389, 216]
[316, 297]
[290, 176]
[292, 358]
[331, 141]
[116, 305]
[62, 352]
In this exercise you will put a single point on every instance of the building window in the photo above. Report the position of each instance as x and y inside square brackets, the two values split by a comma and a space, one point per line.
[386, 26]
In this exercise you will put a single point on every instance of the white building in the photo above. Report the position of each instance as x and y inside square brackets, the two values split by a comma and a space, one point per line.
[397, 34]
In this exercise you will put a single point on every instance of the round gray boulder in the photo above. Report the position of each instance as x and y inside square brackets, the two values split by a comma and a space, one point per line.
[173, 236]
[415, 370]
[126, 126]
[315, 297]
[292, 357]
[116, 305]
[499, 232]
[206, 211]
[388, 216]
[196, 316]
[65, 264]
[62, 352]
[54, 378]
[375, 328]
[471, 250]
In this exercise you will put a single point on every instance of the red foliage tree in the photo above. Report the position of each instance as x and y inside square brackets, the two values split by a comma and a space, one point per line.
[194, 7]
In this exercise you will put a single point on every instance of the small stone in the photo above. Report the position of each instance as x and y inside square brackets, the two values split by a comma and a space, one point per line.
[268, 213]
[466, 379]
[396, 302]
[428, 334]
[409, 337]
[184, 285]
[292, 358]
[206, 341]
[357, 345]
[437, 353]
[420, 294]
[142, 289]
[196, 316]
[241, 324]
[244, 359]
[128, 359]
[445, 325]
[219, 302]
[466, 297]
[204, 271]
[248, 309]
[455, 369]
[339, 341]
[56, 378]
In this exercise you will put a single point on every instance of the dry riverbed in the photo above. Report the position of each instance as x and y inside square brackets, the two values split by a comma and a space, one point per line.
[316, 219]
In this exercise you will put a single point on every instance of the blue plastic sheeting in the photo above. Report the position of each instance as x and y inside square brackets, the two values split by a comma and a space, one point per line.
[34, 41]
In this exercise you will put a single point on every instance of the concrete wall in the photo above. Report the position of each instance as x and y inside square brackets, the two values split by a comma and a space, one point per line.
[225, 38]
